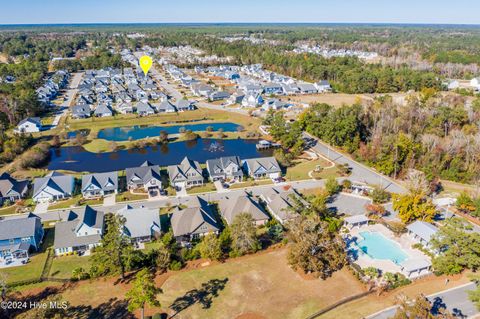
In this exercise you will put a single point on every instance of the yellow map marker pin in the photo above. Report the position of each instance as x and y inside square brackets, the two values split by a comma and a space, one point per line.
[146, 63]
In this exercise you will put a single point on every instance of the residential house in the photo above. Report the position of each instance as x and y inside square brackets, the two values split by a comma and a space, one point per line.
[453, 85]
[184, 105]
[103, 110]
[29, 125]
[193, 222]
[422, 232]
[323, 86]
[252, 100]
[124, 108]
[263, 167]
[141, 224]
[273, 89]
[275, 104]
[147, 176]
[200, 89]
[54, 186]
[236, 98]
[82, 231]
[99, 184]
[81, 111]
[165, 107]
[19, 236]
[225, 169]
[307, 88]
[280, 203]
[475, 82]
[185, 175]
[231, 207]
[11, 189]
[144, 109]
[218, 96]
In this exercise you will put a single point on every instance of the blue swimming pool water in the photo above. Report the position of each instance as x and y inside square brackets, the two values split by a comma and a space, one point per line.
[377, 246]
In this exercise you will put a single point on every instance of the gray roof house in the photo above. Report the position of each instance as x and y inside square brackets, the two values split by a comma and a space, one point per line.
[53, 187]
[103, 110]
[144, 109]
[225, 168]
[99, 184]
[185, 175]
[147, 176]
[82, 231]
[218, 95]
[193, 222]
[280, 202]
[184, 105]
[262, 167]
[230, 207]
[11, 189]
[124, 108]
[29, 125]
[81, 111]
[422, 232]
[141, 224]
[165, 107]
[307, 88]
[18, 236]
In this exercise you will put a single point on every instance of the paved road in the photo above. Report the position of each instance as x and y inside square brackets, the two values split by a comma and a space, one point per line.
[455, 300]
[360, 172]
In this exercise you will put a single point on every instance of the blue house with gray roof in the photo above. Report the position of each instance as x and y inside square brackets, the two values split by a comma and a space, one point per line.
[19, 236]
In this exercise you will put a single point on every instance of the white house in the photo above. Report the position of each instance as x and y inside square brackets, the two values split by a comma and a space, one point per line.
[475, 82]
[29, 125]
[53, 187]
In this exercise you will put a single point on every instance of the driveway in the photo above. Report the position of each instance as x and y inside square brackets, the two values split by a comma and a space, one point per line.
[360, 172]
[455, 300]
[109, 200]
[41, 208]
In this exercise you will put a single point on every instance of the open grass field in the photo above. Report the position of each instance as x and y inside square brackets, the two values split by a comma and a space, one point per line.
[263, 285]
[334, 99]
[250, 183]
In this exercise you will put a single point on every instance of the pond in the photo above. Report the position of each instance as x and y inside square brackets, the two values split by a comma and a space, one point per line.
[77, 159]
[119, 134]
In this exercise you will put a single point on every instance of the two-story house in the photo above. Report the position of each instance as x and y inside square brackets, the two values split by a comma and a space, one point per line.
[263, 167]
[81, 232]
[54, 186]
[185, 175]
[11, 189]
[99, 184]
[147, 176]
[19, 236]
[225, 169]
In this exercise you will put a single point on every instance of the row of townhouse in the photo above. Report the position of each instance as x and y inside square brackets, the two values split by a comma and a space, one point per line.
[188, 173]
[50, 89]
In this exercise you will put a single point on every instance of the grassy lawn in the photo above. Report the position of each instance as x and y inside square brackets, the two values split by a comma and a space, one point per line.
[200, 115]
[74, 201]
[368, 305]
[62, 267]
[300, 171]
[12, 209]
[263, 285]
[128, 197]
[33, 269]
[207, 187]
[251, 183]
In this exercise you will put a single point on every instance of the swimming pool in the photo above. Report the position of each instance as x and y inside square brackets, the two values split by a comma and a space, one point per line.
[377, 246]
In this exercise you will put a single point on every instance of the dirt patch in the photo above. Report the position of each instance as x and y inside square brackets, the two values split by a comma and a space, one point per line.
[251, 315]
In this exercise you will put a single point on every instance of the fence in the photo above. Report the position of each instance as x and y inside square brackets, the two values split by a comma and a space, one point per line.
[339, 303]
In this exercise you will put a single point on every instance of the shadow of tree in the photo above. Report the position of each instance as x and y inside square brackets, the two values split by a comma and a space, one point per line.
[203, 296]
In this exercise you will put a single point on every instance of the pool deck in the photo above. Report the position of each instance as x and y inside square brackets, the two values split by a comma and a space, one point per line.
[405, 242]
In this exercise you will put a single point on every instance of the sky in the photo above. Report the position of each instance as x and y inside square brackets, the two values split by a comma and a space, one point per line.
[314, 11]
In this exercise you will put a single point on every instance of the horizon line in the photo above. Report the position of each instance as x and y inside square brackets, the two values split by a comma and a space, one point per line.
[239, 23]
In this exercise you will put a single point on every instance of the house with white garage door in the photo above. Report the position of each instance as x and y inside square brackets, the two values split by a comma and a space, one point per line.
[54, 186]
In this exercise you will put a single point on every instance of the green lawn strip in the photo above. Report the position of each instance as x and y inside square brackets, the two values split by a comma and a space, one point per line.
[63, 266]
[251, 183]
[74, 201]
[12, 209]
[208, 187]
[128, 197]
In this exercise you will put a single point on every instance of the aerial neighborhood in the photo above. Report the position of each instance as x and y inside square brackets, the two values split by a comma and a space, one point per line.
[240, 171]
